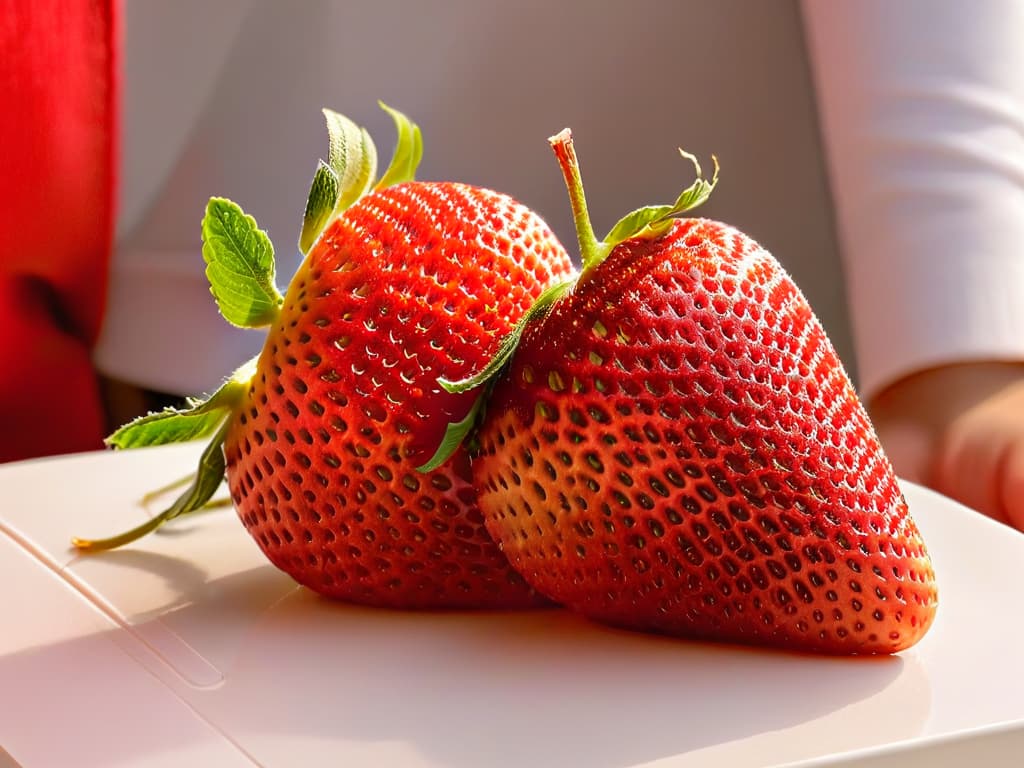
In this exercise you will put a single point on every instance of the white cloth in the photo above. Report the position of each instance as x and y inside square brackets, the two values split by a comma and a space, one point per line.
[922, 110]
[224, 99]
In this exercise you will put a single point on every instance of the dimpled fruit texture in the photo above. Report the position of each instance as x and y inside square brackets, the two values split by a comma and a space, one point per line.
[677, 448]
[414, 282]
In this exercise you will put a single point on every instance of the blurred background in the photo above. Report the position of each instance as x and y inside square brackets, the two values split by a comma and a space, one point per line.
[120, 118]
[230, 106]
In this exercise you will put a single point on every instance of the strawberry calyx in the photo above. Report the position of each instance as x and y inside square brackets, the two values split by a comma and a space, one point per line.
[241, 270]
[204, 484]
[649, 222]
[457, 431]
[351, 168]
[346, 175]
[239, 255]
[172, 425]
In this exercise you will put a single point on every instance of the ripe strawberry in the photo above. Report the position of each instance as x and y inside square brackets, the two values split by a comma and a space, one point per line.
[414, 281]
[676, 447]
[321, 440]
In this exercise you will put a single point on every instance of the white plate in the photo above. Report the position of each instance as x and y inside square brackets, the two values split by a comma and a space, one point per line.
[188, 649]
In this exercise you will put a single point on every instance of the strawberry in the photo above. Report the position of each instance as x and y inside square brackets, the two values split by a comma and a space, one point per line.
[323, 432]
[676, 447]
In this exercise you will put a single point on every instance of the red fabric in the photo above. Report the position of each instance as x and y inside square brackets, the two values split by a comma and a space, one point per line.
[58, 120]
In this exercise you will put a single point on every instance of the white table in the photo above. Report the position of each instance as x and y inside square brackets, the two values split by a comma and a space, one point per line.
[188, 649]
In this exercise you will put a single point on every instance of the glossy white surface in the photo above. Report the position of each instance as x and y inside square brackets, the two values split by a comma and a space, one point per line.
[186, 648]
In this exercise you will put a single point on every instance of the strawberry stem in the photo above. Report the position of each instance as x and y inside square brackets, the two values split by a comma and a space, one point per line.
[649, 222]
[592, 251]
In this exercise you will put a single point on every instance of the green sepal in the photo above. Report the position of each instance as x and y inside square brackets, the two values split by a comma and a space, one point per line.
[169, 426]
[408, 150]
[239, 265]
[454, 435]
[347, 175]
[648, 222]
[456, 432]
[179, 425]
[207, 479]
[509, 344]
[653, 221]
[352, 155]
[323, 195]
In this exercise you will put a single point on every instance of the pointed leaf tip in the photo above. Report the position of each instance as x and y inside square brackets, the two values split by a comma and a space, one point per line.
[214, 416]
[323, 195]
[208, 477]
[454, 435]
[456, 432]
[353, 157]
[178, 425]
[654, 220]
[338, 183]
[408, 150]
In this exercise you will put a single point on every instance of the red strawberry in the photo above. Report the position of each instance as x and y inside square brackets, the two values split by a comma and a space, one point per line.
[414, 281]
[676, 447]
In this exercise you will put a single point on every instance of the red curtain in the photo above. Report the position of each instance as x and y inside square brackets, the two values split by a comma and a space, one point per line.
[59, 63]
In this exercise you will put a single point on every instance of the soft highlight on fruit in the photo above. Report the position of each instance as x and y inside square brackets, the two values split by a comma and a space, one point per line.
[675, 447]
[413, 282]
[320, 437]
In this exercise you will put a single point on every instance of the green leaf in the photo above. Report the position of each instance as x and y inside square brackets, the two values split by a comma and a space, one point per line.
[509, 344]
[174, 425]
[454, 434]
[505, 351]
[207, 479]
[323, 195]
[239, 265]
[347, 175]
[352, 156]
[212, 415]
[168, 426]
[408, 150]
[654, 220]
[634, 222]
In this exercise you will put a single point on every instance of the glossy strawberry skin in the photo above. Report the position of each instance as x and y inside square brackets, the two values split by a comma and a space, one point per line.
[677, 448]
[413, 282]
